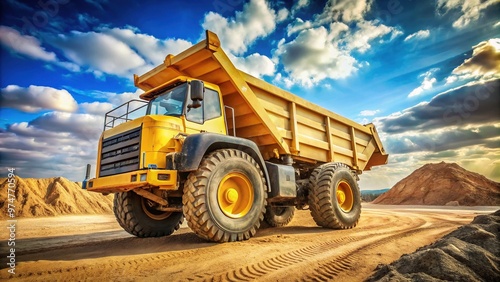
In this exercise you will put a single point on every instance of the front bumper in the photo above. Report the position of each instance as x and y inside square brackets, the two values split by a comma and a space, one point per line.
[163, 179]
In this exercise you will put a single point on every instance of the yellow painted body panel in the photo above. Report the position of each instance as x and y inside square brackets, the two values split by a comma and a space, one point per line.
[278, 121]
[123, 182]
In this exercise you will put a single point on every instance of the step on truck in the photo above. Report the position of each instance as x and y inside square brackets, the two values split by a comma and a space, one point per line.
[225, 150]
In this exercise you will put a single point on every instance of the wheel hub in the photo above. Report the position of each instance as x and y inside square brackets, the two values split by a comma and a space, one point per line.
[345, 196]
[235, 195]
[231, 195]
[340, 197]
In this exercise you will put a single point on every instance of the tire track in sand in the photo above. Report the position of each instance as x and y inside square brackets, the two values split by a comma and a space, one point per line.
[318, 251]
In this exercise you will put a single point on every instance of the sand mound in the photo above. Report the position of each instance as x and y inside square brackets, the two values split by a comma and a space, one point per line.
[443, 184]
[470, 253]
[52, 197]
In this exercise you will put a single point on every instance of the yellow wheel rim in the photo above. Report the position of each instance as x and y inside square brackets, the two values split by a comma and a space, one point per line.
[235, 195]
[345, 198]
[153, 213]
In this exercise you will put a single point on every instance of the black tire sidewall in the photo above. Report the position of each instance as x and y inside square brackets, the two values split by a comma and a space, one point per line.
[279, 220]
[346, 218]
[165, 226]
[247, 222]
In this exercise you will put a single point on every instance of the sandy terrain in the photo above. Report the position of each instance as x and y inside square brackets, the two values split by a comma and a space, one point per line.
[94, 247]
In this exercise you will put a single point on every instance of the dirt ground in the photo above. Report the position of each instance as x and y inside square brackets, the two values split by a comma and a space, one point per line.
[94, 247]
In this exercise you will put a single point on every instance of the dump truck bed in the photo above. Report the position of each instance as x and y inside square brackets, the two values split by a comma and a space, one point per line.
[278, 121]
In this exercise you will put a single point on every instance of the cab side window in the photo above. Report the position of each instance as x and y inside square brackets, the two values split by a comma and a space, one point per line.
[211, 104]
[210, 108]
[195, 115]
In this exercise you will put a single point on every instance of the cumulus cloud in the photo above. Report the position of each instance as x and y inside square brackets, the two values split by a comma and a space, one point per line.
[98, 51]
[421, 34]
[82, 126]
[469, 10]
[299, 5]
[426, 84]
[256, 20]
[106, 51]
[96, 108]
[46, 151]
[282, 15]
[60, 143]
[254, 64]
[116, 99]
[37, 98]
[441, 140]
[461, 125]
[24, 44]
[344, 10]
[466, 105]
[326, 46]
[366, 32]
[312, 57]
[485, 60]
[150, 48]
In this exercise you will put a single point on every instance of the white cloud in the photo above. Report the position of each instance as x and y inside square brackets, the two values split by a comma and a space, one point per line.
[326, 46]
[282, 15]
[57, 148]
[366, 32]
[150, 48]
[116, 99]
[369, 113]
[426, 84]
[344, 10]
[335, 12]
[299, 5]
[82, 126]
[99, 51]
[280, 79]
[470, 10]
[312, 57]
[255, 64]
[114, 51]
[485, 61]
[24, 44]
[421, 34]
[96, 108]
[298, 25]
[59, 143]
[319, 52]
[257, 20]
[37, 98]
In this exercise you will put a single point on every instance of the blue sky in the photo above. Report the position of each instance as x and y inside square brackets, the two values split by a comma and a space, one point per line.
[425, 72]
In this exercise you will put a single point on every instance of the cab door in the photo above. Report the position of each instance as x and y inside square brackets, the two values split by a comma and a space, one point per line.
[207, 118]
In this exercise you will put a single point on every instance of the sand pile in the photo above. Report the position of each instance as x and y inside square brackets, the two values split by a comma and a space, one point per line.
[52, 197]
[470, 253]
[443, 184]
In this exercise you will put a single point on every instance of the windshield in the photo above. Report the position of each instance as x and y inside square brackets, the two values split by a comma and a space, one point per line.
[169, 103]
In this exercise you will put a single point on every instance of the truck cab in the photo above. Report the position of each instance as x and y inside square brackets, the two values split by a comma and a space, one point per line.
[133, 152]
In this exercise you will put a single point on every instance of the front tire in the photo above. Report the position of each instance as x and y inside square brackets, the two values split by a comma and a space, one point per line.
[334, 199]
[136, 216]
[225, 199]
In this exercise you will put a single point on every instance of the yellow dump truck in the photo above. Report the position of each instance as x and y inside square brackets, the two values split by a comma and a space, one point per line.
[225, 150]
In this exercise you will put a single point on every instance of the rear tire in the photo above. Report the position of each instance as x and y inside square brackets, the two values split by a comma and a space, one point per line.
[334, 198]
[225, 199]
[279, 216]
[137, 218]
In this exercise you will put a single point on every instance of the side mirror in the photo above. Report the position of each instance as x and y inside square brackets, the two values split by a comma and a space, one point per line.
[197, 93]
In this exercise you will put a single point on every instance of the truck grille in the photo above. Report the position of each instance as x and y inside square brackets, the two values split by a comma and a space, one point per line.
[120, 153]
